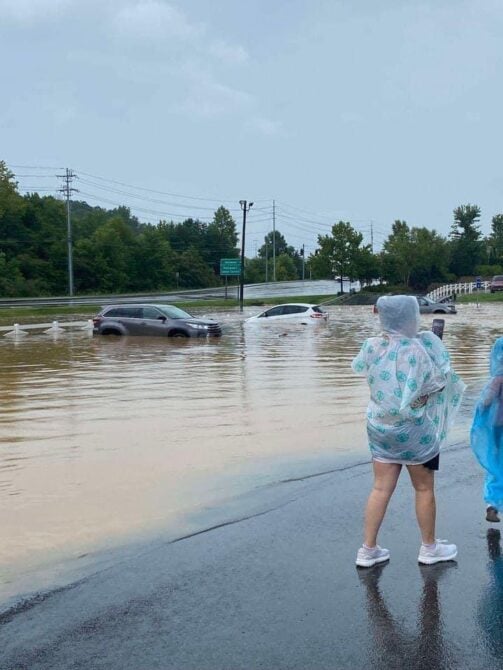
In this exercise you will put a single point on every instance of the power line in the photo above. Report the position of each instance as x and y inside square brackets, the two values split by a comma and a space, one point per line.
[150, 190]
[154, 200]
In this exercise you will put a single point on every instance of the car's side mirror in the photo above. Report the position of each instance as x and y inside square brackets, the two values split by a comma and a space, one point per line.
[162, 318]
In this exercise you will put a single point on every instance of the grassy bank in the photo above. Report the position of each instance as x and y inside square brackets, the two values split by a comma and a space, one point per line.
[480, 297]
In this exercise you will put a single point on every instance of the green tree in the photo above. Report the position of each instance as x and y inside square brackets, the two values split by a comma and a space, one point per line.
[11, 280]
[12, 207]
[153, 263]
[286, 269]
[191, 233]
[368, 266]
[114, 245]
[281, 246]
[338, 253]
[431, 258]
[414, 257]
[398, 254]
[467, 249]
[193, 271]
[495, 241]
[221, 239]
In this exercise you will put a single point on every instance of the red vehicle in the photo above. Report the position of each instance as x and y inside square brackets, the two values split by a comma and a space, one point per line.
[496, 283]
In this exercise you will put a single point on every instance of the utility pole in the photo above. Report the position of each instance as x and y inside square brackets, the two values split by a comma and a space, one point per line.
[372, 236]
[303, 254]
[67, 190]
[266, 260]
[274, 240]
[246, 208]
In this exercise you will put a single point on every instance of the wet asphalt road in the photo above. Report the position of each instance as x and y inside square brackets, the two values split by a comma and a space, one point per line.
[280, 590]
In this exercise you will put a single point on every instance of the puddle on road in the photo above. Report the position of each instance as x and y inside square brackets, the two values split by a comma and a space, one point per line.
[104, 439]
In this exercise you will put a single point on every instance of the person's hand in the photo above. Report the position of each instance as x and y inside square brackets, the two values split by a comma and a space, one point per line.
[419, 402]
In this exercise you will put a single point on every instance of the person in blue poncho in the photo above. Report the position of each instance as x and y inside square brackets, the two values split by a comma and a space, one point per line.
[414, 395]
[487, 434]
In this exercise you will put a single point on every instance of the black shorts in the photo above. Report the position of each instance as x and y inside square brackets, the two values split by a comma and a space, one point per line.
[433, 463]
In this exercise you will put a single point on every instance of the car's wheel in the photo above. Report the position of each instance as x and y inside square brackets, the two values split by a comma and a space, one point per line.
[179, 334]
[111, 331]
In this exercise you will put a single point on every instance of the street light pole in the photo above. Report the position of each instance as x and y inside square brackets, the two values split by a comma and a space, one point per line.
[245, 206]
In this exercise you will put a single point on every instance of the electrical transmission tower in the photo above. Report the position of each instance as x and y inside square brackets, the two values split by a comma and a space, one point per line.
[67, 190]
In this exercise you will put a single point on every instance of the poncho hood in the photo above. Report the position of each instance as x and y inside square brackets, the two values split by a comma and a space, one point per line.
[399, 314]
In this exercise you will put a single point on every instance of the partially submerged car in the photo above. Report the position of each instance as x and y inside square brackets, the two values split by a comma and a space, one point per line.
[429, 306]
[152, 319]
[294, 312]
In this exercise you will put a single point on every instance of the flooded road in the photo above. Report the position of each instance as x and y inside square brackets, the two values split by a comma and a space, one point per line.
[105, 439]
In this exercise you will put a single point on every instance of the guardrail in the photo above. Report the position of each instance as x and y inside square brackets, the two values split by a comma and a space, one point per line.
[54, 328]
[448, 290]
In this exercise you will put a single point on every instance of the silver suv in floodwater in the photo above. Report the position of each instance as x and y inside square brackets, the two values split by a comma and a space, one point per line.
[428, 306]
[152, 319]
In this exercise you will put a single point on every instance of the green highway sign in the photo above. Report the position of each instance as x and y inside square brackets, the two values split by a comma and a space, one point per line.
[230, 266]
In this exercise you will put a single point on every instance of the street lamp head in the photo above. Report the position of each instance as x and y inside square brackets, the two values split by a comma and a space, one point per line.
[250, 205]
[242, 203]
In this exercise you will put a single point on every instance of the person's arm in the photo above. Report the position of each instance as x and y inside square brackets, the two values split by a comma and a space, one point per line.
[492, 391]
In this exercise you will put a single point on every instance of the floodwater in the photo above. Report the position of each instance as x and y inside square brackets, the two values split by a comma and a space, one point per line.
[103, 440]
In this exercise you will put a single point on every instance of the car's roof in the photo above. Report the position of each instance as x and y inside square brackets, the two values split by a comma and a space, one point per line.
[297, 304]
[139, 304]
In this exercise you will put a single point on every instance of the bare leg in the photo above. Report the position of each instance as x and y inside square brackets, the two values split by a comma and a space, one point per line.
[385, 479]
[423, 481]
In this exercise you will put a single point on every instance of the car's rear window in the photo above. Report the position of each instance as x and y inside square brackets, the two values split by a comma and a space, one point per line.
[498, 278]
[319, 309]
[294, 309]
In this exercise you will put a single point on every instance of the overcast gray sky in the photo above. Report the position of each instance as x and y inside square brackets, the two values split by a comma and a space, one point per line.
[361, 110]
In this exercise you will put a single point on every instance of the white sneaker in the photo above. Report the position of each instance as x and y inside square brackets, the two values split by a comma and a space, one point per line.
[366, 558]
[441, 551]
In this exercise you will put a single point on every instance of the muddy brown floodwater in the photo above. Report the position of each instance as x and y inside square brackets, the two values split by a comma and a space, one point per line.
[102, 440]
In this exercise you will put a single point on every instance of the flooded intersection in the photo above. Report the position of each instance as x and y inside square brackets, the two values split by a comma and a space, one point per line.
[104, 440]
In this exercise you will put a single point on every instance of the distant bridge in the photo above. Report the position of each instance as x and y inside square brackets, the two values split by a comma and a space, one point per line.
[448, 290]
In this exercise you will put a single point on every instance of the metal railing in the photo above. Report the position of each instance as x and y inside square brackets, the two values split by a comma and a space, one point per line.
[461, 288]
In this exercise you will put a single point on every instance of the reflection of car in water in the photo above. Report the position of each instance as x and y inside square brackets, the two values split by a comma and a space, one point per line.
[163, 320]
[295, 312]
[429, 306]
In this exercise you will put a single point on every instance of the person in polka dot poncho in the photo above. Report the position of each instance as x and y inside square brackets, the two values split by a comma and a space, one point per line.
[414, 397]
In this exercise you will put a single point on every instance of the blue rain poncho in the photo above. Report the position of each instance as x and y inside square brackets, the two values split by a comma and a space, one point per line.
[487, 429]
[414, 393]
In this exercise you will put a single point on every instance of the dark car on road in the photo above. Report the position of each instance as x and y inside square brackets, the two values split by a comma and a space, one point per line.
[152, 319]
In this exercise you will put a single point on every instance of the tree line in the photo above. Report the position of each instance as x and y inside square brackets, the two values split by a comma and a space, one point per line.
[113, 252]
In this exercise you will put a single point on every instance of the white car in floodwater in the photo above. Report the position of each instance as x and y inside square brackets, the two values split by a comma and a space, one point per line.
[293, 312]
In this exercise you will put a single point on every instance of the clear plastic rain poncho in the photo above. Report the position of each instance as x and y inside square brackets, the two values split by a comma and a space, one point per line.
[487, 429]
[414, 393]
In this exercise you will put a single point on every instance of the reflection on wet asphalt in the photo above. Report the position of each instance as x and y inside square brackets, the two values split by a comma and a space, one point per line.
[490, 612]
[424, 647]
[102, 439]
